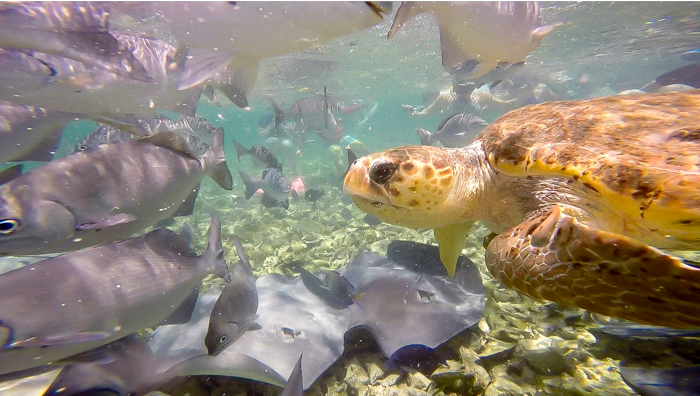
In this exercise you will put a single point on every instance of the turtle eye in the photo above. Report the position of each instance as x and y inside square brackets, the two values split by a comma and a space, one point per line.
[381, 172]
[8, 226]
[223, 339]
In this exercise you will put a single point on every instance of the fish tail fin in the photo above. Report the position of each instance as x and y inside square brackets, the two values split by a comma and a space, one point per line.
[425, 137]
[279, 112]
[250, 187]
[240, 150]
[214, 255]
[215, 156]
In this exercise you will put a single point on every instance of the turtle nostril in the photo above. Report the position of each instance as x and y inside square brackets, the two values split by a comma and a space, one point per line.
[381, 171]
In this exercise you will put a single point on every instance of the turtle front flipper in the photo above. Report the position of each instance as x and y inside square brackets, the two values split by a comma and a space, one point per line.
[451, 240]
[555, 257]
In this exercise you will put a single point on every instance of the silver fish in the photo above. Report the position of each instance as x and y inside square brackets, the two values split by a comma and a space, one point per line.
[271, 182]
[73, 30]
[71, 86]
[235, 309]
[196, 131]
[73, 303]
[494, 33]
[455, 131]
[30, 133]
[103, 194]
[237, 35]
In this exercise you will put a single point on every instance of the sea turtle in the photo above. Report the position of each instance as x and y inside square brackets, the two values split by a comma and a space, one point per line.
[583, 193]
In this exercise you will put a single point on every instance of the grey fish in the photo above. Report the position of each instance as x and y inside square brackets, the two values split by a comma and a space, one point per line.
[30, 133]
[494, 77]
[260, 153]
[210, 93]
[235, 309]
[314, 113]
[271, 182]
[238, 35]
[105, 193]
[73, 30]
[493, 33]
[295, 383]
[75, 87]
[66, 305]
[455, 131]
[269, 202]
[196, 131]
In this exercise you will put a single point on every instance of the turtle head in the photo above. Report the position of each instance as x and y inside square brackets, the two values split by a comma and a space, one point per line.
[409, 186]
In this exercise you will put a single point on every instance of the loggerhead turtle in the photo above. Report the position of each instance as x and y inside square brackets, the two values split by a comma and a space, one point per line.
[584, 194]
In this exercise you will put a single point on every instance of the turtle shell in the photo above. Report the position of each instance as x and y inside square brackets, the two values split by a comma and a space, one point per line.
[641, 153]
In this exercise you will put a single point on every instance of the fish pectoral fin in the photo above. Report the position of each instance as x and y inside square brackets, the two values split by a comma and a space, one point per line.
[254, 326]
[482, 68]
[539, 33]
[109, 221]
[201, 65]
[452, 52]
[172, 141]
[451, 240]
[187, 207]
[36, 342]
[183, 313]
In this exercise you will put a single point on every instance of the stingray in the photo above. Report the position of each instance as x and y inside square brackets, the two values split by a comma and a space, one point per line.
[683, 381]
[414, 303]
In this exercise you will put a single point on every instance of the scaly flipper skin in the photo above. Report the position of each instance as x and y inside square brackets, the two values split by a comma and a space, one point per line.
[557, 258]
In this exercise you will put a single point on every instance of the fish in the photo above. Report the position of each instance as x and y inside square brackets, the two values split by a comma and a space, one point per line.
[295, 383]
[371, 220]
[269, 202]
[455, 131]
[417, 357]
[334, 290]
[73, 30]
[272, 182]
[260, 153]
[494, 34]
[346, 214]
[91, 297]
[97, 94]
[236, 36]
[680, 381]
[210, 93]
[311, 114]
[104, 194]
[132, 368]
[313, 195]
[29, 133]
[196, 131]
[503, 71]
[235, 309]
[691, 56]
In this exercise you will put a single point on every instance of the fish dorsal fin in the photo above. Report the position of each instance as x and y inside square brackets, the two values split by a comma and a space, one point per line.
[445, 121]
[10, 174]
[170, 140]
[169, 240]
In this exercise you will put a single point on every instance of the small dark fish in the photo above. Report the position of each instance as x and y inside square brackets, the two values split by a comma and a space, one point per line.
[346, 199]
[313, 195]
[345, 213]
[260, 153]
[295, 383]
[235, 310]
[688, 75]
[418, 357]
[371, 220]
[352, 158]
[272, 181]
[269, 202]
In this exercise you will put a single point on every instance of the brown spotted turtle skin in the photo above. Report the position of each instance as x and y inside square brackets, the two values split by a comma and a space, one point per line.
[583, 193]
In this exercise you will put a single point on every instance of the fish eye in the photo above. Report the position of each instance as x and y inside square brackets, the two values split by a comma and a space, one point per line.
[381, 172]
[223, 339]
[8, 226]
